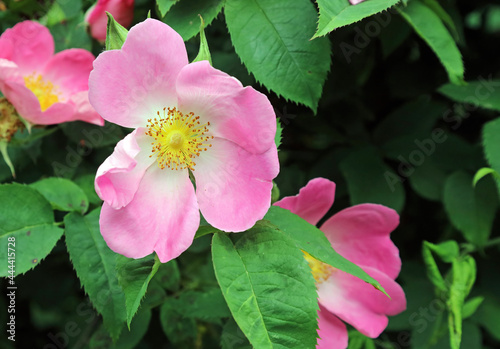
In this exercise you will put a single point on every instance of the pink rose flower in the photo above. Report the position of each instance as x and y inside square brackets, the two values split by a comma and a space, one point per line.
[360, 234]
[44, 88]
[122, 11]
[189, 119]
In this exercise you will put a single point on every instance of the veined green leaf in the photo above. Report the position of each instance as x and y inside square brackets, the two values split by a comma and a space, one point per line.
[429, 26]
[272, 40]
[63, 194]
[27, 229]
[134, 276]
[471, 210]
[268, 287]
[95, 266]
[483, 93]
[338, 13]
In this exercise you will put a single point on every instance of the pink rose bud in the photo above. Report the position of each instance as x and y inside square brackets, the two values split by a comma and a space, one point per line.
[122, 11]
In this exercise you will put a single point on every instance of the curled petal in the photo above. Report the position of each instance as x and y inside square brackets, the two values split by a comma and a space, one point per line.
[359, 303]
[120, 174]
[163, 217]
[126, 91]
[362, 235]
[233, 186]
[28, 44]
[313, 201]
[239, 114]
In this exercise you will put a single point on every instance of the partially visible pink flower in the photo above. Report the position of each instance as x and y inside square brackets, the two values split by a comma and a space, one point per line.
[44, 88]
[361, 234]
[122, 11]
[189, 119]
[355, 2]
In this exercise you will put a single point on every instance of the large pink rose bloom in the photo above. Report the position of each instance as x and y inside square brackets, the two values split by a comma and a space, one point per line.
[188, 119]
[361, 234]
[44, 88]
[122, 11]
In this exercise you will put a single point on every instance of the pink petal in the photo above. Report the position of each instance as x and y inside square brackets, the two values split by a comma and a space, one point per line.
[130, 85]
[120, 174]
[122, 11]
[83, 110]
[313, 201]
[359, 303]
[332, 332]
[362, 235]
[239, 114]
[70, 70]
[163, 216]
[233, 186]
[29, 45]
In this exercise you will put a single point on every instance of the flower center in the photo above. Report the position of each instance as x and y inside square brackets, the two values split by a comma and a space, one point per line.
[321, 271]
[45, 91]
[178, 139]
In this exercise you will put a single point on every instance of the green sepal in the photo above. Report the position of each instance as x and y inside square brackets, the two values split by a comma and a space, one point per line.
[115, 34]
[204, 52]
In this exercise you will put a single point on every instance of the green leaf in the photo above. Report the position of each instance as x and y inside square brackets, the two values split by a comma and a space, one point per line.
[491, 145]
[268, 287]
[128, 339]
[208, 305]
[115, 34]
[134, 276]
[164, 6]
[168, 276]
[312, 240]
[183, 16]
[177, 327]
[338, 13]
[483, 172]
[86, 183]
[483, 93]
[63, 194]
[471, 306]
[27, 217]
[204, 51]
[369, 179]
[272, 40]
[464, 275]
[429, 26]
[95, 266]
[279, 131]
[471, 210]
[435, 6]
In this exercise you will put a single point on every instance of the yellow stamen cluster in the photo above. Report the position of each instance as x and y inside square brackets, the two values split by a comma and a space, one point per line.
[321, 271]
[45, 91]
[178, 139]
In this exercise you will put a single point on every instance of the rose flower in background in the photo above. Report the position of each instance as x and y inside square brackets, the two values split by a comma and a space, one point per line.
[361, 234]
[44, 88]
[190, 120]
[122, 11]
